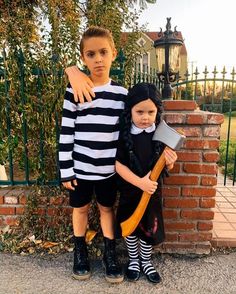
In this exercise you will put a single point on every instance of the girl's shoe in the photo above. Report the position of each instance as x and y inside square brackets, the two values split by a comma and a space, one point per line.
[154, 277]
[150, 272]
[132, 275]
[133, 270]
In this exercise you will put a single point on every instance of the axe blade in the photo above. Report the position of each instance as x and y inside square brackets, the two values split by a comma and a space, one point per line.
[168, 136]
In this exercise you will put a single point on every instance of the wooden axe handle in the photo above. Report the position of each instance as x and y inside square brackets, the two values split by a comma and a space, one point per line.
[129, 225]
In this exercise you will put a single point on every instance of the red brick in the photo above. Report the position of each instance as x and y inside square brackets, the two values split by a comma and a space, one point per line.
[205, 226]
[189, 156]
[178, 203]
[179, 105]
[175, 118]
[196, 168]
[198, 191]
[12, 221]
[53, 211]
[191, 131]
[208, 181]
[215, 119]
[197, 214]
[171, 237]
[211, 131]
[196, 119]
[201, 144]
[182, 180]
[170, 191]
[22, 199]
[195, 237]
[211, 156]
[207, 203]
[11, 200]
[170, 214]
[20, 210]
[176, 247]
[178, 226]
[175, 169]
[7, 210]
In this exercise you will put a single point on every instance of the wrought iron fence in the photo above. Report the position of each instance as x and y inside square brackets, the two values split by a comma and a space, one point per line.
[215, 92]
[30, 114]
[22, 137]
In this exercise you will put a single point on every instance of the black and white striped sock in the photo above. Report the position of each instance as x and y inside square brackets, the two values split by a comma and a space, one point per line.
[132, 243]
[145, 255]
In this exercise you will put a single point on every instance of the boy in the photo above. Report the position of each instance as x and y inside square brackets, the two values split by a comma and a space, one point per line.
[88, 142]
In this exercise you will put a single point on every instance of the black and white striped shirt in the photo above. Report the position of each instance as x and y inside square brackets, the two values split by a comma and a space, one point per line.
[89, 133]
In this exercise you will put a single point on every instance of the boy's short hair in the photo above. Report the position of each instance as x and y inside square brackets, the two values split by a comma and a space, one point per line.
[95, 31]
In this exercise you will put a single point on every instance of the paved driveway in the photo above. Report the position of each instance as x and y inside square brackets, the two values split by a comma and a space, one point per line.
[214, 274]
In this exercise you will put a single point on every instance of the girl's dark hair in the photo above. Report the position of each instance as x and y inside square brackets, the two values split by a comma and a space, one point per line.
[140, 92]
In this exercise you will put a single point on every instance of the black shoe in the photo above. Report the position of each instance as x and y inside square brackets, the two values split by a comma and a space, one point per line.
[81, 268]
[113, 271]
[154, 278]
[132, 275]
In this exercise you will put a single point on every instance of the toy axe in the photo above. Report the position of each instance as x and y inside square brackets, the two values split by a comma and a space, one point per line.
[170, 138]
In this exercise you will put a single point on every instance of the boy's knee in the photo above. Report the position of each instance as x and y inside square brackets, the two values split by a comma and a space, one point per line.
[104, 209]
[83, 209]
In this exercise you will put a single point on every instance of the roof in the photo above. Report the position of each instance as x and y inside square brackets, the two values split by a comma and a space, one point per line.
[154, 36]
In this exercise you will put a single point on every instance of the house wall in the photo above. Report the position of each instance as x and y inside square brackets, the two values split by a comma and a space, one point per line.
[148, 47]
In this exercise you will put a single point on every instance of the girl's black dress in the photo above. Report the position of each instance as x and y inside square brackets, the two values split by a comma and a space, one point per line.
[151, 227]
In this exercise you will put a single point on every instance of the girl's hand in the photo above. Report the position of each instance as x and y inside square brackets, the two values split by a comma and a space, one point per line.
[147, 185]
[68, 185]
[170, 157]
[81, 84]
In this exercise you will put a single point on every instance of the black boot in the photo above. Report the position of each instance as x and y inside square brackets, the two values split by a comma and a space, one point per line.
[113, 271]
[81, 268]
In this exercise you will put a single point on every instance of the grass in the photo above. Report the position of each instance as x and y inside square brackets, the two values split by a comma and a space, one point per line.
[225, 126]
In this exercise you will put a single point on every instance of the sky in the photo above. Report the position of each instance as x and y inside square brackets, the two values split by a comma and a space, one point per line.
[208, 28]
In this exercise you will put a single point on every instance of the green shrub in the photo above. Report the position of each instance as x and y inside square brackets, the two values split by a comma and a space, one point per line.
[231, 156]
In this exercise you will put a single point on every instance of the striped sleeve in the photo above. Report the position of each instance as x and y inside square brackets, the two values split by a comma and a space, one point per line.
[66, 141]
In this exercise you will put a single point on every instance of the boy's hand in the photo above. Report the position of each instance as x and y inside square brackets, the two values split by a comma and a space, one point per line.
[148, 185]
[81, 84]
[68, 185]
[170, 157]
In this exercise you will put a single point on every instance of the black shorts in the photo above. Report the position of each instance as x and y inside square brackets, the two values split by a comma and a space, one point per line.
[104, 190]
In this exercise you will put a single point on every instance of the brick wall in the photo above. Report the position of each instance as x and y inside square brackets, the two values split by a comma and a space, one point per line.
[189, 192]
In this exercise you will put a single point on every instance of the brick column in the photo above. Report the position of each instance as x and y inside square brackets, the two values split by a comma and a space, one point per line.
[189, 192]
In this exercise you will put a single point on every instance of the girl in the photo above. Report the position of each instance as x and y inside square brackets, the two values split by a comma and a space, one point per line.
[136, 156]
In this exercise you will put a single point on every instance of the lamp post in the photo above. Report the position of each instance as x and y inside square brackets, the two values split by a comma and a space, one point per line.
[168, 58]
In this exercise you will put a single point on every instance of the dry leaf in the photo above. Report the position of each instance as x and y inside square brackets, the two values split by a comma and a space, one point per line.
[32, 238]
[49, 244]
[6, 229]
[90, 234]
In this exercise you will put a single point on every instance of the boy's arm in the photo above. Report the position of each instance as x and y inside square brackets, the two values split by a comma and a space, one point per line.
[66, 141]
[80, 83]
[145, 184]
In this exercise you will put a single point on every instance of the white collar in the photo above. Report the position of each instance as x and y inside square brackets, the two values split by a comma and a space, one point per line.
[135, 130]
